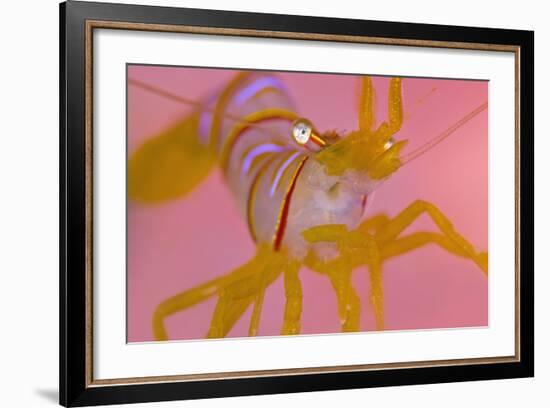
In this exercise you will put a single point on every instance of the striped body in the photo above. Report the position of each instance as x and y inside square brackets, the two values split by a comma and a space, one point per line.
[279, 187]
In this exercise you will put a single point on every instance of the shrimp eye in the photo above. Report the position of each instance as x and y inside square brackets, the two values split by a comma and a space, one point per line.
[302, 130]
[389, 143]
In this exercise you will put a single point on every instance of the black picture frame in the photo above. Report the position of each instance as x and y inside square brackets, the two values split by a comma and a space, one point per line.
[76, 387]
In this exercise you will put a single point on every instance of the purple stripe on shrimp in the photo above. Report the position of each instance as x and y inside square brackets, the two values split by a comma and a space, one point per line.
[256, 86]
[255, 152]
[205, 120]
[280, 173]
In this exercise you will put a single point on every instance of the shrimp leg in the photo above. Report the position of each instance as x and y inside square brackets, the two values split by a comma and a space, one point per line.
[267, 276]
[419, 239]
[234, 299]
[293, 294]
[356, 248]
[377, 239]
[239, 284]
[394, 227]
[389, 246]
[185, 300]
[374, 261]
[339, 271]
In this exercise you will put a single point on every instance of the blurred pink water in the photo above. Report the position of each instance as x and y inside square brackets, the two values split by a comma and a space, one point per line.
[178, 245]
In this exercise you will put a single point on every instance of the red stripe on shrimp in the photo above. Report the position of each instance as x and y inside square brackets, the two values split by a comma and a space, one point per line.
[283, 214]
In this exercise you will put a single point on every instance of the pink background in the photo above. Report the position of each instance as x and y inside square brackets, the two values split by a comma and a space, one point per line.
[183, 243]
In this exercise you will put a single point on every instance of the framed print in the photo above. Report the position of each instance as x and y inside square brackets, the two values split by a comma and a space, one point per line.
[256, 203]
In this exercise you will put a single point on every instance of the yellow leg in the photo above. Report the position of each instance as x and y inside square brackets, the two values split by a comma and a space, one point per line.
[394, 227]
[256, 312]
[234, 313]
[416, 240]
[374, 261]
[376, 240]
[293, 294]
[373, 223]
[185, 300]
[235, 298]
[352, 323]
[356, 248]
[377, 293]
[225, 300]
[219, 286]
[340, 277]
[339, 271]
[267, 275]
[231, 305]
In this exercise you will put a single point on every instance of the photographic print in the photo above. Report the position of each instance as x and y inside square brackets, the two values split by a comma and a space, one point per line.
[265, 203]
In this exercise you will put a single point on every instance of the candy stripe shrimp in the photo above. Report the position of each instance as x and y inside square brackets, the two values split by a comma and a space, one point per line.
[303, 194]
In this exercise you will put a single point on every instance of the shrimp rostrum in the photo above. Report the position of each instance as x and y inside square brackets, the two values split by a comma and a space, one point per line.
[303, 194]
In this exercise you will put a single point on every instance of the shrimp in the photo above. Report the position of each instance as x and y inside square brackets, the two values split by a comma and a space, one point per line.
[302, 192]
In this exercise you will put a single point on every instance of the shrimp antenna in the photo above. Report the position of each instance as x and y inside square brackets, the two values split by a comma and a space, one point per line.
[444, 135]
[196, 104]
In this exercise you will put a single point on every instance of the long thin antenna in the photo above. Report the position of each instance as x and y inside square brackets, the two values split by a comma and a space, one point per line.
[418, 103]
[201, 106]
[438, 139]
